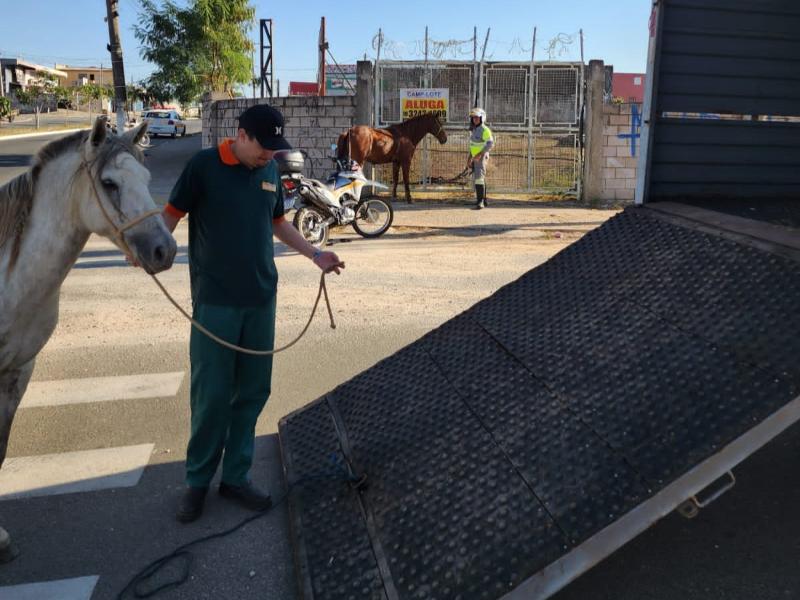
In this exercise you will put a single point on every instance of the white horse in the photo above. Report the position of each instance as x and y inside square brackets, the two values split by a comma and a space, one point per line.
[87, 182]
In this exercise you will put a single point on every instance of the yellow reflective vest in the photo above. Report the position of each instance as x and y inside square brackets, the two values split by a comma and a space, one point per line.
[480, 140]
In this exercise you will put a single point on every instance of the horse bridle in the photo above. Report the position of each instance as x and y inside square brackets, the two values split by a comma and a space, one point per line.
[440, 130]
[119, 231]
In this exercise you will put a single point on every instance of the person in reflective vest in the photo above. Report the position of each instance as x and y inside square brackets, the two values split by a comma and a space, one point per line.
[480, 142]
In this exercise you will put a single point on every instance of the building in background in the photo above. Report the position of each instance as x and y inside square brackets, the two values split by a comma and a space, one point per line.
[77, 76]
[628, 87]
[19, 74]
[340, 80]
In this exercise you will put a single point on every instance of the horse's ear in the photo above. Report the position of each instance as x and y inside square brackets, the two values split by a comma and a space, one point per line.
[98, 135]
[136, 134]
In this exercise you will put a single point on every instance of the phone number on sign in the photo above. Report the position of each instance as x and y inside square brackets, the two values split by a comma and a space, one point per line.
[407, 114]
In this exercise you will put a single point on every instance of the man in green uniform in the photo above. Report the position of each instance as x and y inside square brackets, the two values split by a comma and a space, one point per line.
[233, 196]
[480, 142]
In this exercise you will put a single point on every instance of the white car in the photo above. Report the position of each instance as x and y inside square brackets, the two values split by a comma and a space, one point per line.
[164, 122]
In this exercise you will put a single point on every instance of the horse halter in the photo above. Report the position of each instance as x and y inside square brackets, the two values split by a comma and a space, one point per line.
[119, 231]
[440, 130]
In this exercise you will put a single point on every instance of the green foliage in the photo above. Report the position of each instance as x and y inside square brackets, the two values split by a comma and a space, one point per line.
[92, 91]
[5, 107]
[136, 92]
[203, 47]
[39, 93]
[62, 93]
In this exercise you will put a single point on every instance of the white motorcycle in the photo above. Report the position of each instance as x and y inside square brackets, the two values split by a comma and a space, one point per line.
[336, 202]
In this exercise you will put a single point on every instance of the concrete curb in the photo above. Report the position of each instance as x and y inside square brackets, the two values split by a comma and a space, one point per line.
[40, 134]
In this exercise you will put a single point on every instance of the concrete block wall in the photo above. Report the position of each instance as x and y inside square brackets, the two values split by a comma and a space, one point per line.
[620, 151]
[313, 123]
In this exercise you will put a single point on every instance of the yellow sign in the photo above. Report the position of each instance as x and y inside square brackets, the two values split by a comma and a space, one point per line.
[417, 101]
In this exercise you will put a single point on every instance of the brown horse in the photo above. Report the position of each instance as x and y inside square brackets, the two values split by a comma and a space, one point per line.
[395, 144]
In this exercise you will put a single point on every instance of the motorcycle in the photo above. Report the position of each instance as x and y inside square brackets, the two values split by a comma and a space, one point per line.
[336, 202]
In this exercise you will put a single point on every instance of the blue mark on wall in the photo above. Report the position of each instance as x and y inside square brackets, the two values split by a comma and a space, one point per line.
[636, 124]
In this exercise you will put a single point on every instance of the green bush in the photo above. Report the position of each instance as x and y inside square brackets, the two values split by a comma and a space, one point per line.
[5, 107]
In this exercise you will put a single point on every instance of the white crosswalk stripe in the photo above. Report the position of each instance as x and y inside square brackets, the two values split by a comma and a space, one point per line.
[69, 472]
[79, 588]
[79, 471]
[102, 389]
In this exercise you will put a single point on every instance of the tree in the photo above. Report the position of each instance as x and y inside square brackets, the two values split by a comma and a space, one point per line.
[137, 92]
[203, 47]
[94, 92]
[62, 94]
[39, 93]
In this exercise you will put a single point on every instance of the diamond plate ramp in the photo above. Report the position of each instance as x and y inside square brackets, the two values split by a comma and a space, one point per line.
[526, 439]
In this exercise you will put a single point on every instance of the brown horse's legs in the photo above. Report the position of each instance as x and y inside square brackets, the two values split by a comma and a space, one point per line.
[406, 168]
[395, 178]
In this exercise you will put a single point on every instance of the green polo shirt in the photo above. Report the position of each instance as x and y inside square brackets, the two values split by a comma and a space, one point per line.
[231, 212]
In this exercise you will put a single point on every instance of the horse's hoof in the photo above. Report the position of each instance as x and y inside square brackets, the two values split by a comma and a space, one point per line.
[7, 551]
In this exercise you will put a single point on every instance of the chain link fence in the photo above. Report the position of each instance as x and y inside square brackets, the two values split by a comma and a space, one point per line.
[534, 111]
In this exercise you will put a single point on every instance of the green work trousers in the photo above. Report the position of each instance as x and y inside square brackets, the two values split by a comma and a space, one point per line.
[228, 390]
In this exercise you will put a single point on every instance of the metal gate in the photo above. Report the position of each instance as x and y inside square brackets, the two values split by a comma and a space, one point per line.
[534, 111]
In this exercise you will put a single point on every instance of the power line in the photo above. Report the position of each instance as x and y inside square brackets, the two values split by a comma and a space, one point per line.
[70, 59]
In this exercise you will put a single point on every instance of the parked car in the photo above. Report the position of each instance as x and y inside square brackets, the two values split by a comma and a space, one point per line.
[164, 122]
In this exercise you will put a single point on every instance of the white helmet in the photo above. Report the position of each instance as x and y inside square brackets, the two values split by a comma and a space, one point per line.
[478, 112]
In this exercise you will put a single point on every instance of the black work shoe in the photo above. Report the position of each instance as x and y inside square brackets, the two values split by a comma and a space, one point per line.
[191, 506]
[247, 495]
[478, 206]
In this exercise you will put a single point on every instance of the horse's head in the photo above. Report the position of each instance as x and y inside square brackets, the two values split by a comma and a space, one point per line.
[437, 129]
[118, 202]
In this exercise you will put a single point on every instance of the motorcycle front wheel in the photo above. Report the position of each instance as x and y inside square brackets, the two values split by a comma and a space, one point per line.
[373, 217]
[311, 224]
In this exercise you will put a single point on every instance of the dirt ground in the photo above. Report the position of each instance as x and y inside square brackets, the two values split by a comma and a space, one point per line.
[437, 260]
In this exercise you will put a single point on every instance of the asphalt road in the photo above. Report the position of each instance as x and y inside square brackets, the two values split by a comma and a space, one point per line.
[164, 158]
[746, 546]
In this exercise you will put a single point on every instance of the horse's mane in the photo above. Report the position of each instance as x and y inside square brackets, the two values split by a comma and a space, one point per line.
[404, 126]
[16, 196]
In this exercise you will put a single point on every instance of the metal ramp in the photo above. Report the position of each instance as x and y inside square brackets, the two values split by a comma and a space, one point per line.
[514, 447]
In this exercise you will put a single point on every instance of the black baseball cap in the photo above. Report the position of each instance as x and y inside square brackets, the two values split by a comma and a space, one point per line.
[265, 123]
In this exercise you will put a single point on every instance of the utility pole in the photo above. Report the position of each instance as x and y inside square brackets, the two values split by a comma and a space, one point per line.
[117, 67]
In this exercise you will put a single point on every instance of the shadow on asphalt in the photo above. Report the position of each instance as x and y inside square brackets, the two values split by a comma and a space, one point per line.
[115, 532]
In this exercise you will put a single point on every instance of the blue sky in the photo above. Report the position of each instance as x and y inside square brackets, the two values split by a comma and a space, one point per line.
[73, 31]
